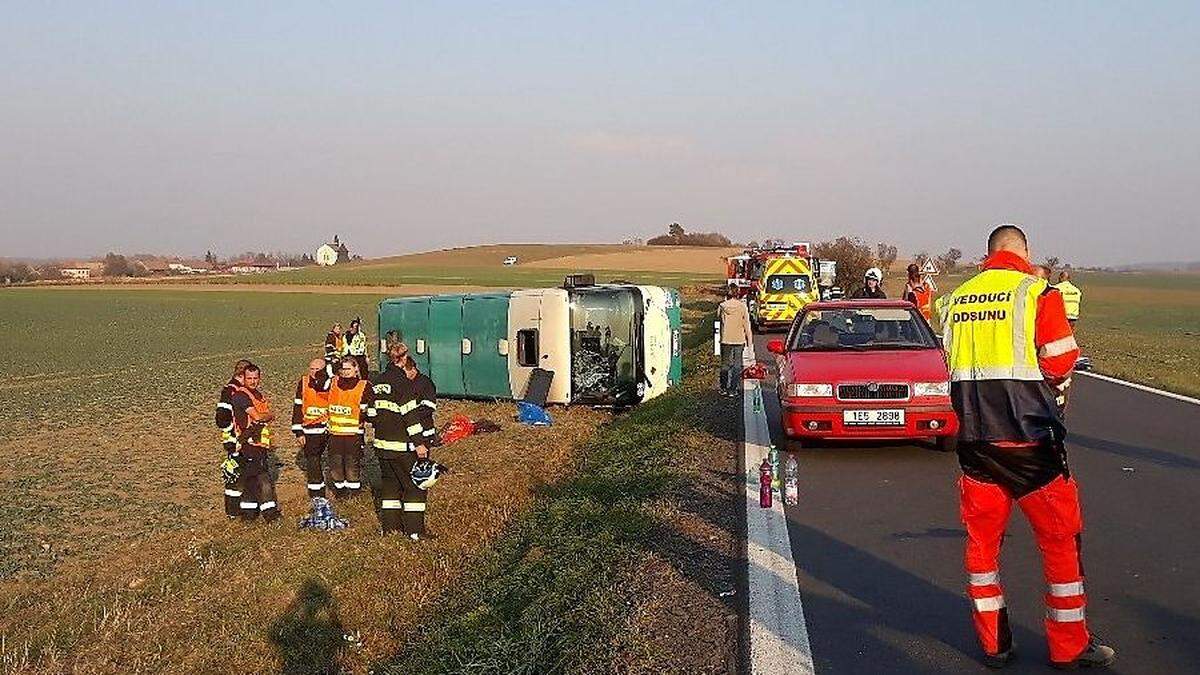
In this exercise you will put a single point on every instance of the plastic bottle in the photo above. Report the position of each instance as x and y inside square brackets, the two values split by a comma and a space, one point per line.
[791, 482]
[774, 456]
[764, 483]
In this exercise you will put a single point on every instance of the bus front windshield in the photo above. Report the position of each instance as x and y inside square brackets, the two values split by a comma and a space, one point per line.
[604, 345]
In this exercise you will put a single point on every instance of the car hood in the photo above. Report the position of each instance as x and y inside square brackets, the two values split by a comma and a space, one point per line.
[910, 365]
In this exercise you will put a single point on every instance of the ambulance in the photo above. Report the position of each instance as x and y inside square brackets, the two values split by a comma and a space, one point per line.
[785, 281]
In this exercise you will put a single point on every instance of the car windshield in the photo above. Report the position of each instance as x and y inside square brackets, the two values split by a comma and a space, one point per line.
[787, 283]
[861, 328]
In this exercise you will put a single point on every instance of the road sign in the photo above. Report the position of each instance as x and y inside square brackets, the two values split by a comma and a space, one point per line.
[928, 281]
[929, 268]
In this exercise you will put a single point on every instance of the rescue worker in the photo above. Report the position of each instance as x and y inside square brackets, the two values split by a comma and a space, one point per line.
[349, 399]
[1008, 344]
[356, 346]
[224, 421]
[1072, 296]
[310, 422]
[405, 401]
[734, 318]
[335, 343]
[872, 286]
[918, 292]
[251, 415]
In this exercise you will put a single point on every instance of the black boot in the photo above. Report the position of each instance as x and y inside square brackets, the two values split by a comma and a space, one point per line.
[999, 660]
[1095, 655]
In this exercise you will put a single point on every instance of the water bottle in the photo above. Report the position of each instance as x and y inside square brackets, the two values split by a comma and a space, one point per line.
[764, 483]
[774, 467]
[791, 482]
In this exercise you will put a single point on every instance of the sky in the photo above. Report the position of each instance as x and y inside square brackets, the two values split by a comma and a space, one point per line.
[179, 127]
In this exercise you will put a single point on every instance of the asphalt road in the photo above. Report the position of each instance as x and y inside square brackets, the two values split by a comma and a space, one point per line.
[878, 545]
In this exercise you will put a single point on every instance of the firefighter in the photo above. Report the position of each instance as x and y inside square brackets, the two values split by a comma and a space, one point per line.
[349, 399]
[918, 292]
[1009, 344]
[251, 416]
[356, 346]
[1072, 296]
[224, 421]
[405, 401]
[310, 422]
[335, 343]
[872, 287]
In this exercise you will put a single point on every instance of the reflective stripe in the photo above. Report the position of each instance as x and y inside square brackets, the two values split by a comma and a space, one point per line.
[429, 404]
[316, 486]
[227, 428]
[1058, 347]
[266, 505]
[414, 507]
[315, 431]
[394, 504]
[992, 604]
[249, 505]
[984, 578]
[1065, 615]
[232, 493]
[353, 485]
[429, 432]
[1066, 590]
[344, 431]
[383, 444]
[408, 407]
[224, 405]
[1016, 372]
[414, 428]
[1021, 346]
[297, 427]
[338, 485]
[298, 401]
[384, 404]
[370, 412]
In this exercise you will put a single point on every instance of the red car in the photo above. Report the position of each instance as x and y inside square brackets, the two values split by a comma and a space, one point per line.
[864, 369]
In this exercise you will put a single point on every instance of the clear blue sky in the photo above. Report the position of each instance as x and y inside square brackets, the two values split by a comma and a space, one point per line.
[178, 127]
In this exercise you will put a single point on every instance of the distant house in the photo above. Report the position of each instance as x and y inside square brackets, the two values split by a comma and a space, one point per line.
[75, 273]
[332, 253]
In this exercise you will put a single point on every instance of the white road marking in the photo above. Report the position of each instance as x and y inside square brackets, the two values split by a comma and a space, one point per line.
[1140, 387]
[778, 634]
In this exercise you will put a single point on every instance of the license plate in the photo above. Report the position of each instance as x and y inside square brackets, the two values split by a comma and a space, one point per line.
[873, 418]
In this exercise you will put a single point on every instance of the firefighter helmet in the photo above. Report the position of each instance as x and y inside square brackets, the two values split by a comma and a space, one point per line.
[426, 472]
[874, 273]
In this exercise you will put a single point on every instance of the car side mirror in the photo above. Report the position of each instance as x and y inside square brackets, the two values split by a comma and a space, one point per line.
[775, 346]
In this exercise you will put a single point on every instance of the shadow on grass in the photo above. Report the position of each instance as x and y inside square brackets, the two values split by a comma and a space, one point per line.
[309, 633]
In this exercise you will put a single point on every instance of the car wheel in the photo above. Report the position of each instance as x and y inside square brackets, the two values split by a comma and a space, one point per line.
[946, 444]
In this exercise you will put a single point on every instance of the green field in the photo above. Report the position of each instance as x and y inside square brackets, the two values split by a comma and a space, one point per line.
[499, 276]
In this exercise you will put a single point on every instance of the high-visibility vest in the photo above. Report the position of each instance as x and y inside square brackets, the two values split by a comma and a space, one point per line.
[262, 408]
[357, 345]
[314, 404]
[924, 299]
[990, 329]
[345, 412]
[1072, 298]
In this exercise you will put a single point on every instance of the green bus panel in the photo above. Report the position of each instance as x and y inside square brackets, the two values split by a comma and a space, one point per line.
[675, 314]
[485, 366]
[409, 317]
[446, 345]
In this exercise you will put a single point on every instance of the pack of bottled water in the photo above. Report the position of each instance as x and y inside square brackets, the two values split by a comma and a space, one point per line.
[322, 517]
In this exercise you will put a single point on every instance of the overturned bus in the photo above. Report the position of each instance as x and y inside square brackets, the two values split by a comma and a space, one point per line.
[606, 344]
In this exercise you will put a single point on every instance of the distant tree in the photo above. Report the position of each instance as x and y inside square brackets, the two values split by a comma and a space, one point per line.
[752, 244]
[675, 230]
[853, 257]
[947, 261]
[116, 265]
[16, 273]
[210, 258]
[886, 255]
[1051, 263]
[921, 257]
[677, 236]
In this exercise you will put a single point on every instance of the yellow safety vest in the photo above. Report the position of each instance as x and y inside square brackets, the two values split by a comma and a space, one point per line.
[990, 327]
[1072, 297]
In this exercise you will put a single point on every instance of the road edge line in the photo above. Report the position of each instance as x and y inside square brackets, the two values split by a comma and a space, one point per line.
[1140, 387]
[778, 634]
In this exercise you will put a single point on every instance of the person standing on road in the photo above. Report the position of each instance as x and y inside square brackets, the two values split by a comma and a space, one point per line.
[356, 346]
[918, 292]
[1072, 296]
[1008, 344]
[251, 415]
[349, 399]
[310, 422]
[734, 318]
[229, 443]
[872, 287]
[405, 401]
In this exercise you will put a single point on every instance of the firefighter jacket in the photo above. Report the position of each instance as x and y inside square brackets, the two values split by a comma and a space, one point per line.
[349, 399]
[1008, 342]
[356, 344]
[310, 408]
[403, 411]
[224, 416]
[1072, 298]
[250, 405]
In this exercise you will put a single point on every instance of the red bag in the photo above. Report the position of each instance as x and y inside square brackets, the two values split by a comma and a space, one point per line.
[460, 427]
[757, 371]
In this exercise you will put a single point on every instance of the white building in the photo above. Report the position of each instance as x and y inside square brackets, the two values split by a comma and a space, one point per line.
[76, 272]
[332, 253]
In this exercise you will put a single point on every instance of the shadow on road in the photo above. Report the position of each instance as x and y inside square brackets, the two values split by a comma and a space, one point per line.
[1160, 457]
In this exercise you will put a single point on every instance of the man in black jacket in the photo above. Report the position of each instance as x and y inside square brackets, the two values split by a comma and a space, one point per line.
[402, 416]
[229, 443]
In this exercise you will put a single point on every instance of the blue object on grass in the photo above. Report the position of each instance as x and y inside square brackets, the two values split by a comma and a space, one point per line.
[322, 517]
[528, 413]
